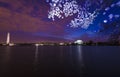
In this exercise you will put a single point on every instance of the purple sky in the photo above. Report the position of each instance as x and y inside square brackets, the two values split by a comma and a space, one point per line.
[27, 21]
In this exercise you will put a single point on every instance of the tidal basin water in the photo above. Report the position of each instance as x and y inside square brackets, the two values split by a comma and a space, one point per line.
[59, 61]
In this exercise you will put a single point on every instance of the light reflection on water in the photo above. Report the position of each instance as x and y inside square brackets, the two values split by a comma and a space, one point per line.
[6, 55]
[80, 58]
[36, 57]
[61, 54]
[69, 61]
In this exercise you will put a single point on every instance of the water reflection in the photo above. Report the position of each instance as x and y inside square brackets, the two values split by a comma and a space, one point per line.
[80, 60]
[70, 50]
[61, 54]
[36, 57]
[5, 59]
[80, 56]
[6, 55]
[66, 61]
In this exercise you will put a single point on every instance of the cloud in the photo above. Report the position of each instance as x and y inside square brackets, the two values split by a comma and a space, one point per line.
[19, 18]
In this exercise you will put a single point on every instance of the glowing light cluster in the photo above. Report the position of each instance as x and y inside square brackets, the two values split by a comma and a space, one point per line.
[70, 8]
[65, 8]
[59, 9]
[112, 15]
[83, 20]
[118, 3]
[111, 6]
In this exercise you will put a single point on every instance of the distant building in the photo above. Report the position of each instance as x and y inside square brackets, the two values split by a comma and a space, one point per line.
[8, 39]
[39, 44]
[36, 45]
[78, 42]
[61, 44]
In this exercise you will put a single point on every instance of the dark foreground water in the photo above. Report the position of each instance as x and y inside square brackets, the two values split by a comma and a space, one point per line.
[60, 61]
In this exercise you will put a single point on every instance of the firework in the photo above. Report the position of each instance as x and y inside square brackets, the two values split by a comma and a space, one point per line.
[85, 16]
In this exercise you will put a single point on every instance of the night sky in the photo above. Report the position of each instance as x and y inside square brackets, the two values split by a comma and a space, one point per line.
[28, 21]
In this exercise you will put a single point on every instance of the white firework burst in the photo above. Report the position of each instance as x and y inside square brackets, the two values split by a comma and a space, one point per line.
[65, 8]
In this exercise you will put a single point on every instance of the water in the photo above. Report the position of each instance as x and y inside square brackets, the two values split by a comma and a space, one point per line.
[59, 61]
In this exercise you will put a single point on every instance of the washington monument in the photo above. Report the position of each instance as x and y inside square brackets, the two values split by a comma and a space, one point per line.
[8, 39]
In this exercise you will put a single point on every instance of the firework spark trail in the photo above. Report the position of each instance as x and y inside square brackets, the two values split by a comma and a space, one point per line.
[111, 16]
[85, 17]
